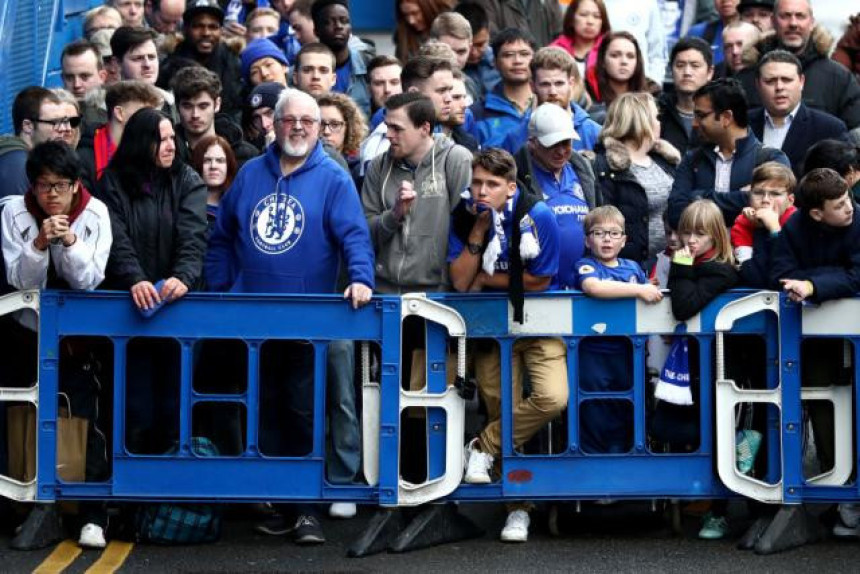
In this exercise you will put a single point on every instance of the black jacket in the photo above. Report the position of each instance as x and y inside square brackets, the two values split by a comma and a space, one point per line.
[808, 127]
[671, 126]
[227, 129]
[156, 234]
[224, 62]
[692, 287]
[619, 187]
[827, 256]
[829, 85]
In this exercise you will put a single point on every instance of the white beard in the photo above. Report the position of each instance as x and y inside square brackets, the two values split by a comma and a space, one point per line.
[294, 151]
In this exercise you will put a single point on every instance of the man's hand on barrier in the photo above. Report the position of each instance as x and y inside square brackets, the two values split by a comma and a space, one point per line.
[173, 289]
[359, 294]
[144, 295]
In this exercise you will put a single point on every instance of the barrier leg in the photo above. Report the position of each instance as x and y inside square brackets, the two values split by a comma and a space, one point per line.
[436, 524]
[793, 526]
[385, 525]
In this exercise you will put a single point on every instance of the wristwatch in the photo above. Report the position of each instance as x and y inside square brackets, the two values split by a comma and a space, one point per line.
[474, 248]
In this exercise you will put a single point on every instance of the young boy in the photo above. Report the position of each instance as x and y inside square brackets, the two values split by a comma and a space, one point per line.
[758, 225]
[501, 239]
[606, 425]
[816, 258]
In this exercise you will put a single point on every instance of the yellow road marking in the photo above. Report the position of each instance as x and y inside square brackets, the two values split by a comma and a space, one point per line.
[62, 556]
[112, 558]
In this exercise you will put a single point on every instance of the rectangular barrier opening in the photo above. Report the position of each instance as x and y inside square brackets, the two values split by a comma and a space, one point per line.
[286, 407]
[220, 366]
[827, 369]
[85, 409]
[674, 428]
[606, 426]
[152, 382]
[223, 423]
[19, 362]
[343, 405]
[606, 368]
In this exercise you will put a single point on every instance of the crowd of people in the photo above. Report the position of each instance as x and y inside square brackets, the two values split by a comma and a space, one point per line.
[262, 147]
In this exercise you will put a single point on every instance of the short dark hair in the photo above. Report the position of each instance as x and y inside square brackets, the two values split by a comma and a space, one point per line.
[727, 95]
[126, 38]
[778, 57]
[27, 103]
[382, 61]
[475, 14]
[79, 47]
[189, 82]
[315, 48]
[693, 43]
[509, 36]
[130, 91]
[419, 108]
[820, 185]
[53, 156]
[496, 161]
[838, 155]
[420, 68]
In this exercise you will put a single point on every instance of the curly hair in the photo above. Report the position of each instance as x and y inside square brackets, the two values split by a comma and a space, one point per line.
[356, 123]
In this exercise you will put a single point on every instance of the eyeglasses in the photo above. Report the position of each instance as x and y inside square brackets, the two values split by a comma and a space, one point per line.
[334, 125]
[60, 187]
[762, 193]
[702, 115]
[305, 122]
[601, 233]
[73, 122]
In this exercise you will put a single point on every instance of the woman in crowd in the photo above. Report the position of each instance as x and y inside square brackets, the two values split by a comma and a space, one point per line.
[343, 126]
[72, 111]
[158, 216]
[414, 18]
[214, 160]
[635, 170]
[619, 69]
[585, 24]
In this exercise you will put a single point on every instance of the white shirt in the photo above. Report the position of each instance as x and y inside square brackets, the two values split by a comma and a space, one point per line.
[774, 136]
[723, 179]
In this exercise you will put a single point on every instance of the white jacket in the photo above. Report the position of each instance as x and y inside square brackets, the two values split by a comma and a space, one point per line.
[81, 265]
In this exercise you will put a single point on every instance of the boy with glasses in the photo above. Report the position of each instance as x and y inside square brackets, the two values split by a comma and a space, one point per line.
[606, 425]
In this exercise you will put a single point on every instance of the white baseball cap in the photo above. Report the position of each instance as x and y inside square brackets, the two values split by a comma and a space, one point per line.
[551, 124]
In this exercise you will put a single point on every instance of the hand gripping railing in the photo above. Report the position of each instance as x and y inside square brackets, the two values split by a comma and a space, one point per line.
[450, 401]
[729, 396]
[9, 487]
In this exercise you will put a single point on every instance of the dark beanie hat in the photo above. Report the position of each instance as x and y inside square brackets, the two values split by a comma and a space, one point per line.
[766, 4]
[258, 49]
[320, 5]
[265, 95]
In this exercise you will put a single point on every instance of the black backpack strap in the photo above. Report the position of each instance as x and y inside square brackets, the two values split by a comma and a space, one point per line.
[516, 286]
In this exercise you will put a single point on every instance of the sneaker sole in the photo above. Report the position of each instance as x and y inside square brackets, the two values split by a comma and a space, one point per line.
[480, 479]
[272, 531]
[845, 532]
[504, 538]
[310, 540]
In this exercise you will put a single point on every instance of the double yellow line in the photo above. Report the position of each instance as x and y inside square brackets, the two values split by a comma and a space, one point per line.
[67, 551]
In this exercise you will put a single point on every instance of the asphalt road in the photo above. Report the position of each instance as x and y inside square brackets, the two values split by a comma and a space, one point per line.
[620, 538]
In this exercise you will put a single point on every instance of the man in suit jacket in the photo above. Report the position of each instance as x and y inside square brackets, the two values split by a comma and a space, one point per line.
[785, 122]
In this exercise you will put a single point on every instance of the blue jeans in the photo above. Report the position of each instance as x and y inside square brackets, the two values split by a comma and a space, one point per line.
[343, 455]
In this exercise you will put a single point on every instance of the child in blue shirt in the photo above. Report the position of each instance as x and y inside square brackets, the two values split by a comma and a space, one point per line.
[606, 425]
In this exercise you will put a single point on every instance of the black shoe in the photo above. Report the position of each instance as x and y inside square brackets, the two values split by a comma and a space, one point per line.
[308, 530]
[277, 525]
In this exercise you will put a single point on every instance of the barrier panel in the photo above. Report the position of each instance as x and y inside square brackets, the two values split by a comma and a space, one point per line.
[554, 466]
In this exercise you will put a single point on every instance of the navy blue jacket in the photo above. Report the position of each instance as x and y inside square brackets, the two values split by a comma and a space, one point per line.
[755, 271]
[827, 256]
[695, 177]
[808, 127]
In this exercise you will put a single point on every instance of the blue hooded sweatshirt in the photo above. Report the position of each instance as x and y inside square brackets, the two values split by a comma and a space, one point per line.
[496, 118]
[586, 128]
[285, 234]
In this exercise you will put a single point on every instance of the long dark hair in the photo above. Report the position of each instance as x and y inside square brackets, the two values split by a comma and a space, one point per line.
[637, 82]
[134, 160]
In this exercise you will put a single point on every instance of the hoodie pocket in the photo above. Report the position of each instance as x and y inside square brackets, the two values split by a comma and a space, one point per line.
[268, 281]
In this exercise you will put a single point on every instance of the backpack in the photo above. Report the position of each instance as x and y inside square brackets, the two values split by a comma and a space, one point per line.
[169, 524]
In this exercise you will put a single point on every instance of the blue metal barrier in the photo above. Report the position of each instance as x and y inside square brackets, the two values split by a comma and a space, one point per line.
[560, 474]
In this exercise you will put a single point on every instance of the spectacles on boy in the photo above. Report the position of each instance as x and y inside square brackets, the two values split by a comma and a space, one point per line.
[611, 233]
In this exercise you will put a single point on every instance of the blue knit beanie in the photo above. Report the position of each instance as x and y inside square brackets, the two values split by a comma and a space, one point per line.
[258, 49]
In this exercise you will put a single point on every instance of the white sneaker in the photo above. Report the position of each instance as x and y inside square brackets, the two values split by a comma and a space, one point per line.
[342, 510]
[478, 465]
[516, 527]
[92, 536]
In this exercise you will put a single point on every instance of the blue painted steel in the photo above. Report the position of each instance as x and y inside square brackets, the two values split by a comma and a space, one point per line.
[567, 473]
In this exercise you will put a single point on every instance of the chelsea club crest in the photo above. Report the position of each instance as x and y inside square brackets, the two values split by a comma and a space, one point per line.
[277, 223]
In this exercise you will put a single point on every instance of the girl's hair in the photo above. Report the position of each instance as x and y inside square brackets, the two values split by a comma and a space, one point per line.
[405, 39]
[200, 150]
[356, 124]
[628, 118]
[704, 216]
[134, 159]
[637, 82]
[570, 15]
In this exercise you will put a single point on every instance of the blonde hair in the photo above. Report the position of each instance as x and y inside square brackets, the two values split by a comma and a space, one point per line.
[554, 58]
[704, 216]
[603, 214]
[451, 24]
[628, 119]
